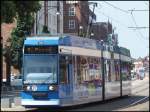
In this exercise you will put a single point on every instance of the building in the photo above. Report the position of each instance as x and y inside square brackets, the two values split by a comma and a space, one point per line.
[101, 30]
[138, 63]
[141, 63]
[77, 16]
[146, 63]
[7, 69]
[73, 18]
[50, 15]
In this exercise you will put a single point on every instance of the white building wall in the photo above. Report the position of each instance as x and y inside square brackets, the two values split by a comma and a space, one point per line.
[52, 18]
[40, 18]
[61, 17]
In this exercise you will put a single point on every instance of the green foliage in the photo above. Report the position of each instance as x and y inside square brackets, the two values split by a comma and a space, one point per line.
[82, 34]
[25, 19]
[45, 29]
[8, 11]
[132, 66]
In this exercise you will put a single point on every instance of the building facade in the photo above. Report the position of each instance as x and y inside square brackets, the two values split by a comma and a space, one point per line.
[141, 63]
[7, 69]
[76, 17]
[48, 15]
[101, 30]
[73, 18]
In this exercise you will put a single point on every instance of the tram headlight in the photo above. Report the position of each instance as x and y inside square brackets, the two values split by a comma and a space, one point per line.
[34, 88]
[53, 87]
[28, 88]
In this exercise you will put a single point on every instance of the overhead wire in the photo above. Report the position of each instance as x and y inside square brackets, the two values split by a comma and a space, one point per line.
[115, 7]
[137, 26]
[117, 21]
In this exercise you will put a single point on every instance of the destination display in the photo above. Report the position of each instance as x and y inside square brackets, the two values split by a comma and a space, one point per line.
[41, 50]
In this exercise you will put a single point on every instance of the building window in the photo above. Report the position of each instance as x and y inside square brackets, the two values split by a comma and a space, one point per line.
[71, 24]
[71, 11]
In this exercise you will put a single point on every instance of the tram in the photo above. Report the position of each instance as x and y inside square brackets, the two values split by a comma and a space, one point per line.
[70, 70]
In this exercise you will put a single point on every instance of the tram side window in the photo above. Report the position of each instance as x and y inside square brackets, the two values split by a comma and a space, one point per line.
[125, 71]
[107, 70]
[88, 68]
[64, 70]
[117, 78]
[78, 69]
[129, 71]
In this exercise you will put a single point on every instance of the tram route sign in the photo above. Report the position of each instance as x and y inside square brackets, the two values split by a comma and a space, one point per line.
[41, 49]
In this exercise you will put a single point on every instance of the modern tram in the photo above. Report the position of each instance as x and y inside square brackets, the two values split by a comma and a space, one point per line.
[70, 70]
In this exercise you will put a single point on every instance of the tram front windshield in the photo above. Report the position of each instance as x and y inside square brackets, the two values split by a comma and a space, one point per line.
[39, 68]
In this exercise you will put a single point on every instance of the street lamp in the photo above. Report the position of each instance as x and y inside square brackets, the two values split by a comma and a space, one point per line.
[80, 31]
[92, 34]
[51, 7]
[81, 27]
[57, 13]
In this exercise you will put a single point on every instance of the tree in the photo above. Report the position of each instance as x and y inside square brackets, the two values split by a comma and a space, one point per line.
[25, 19]
[8, 11]
[45, 29]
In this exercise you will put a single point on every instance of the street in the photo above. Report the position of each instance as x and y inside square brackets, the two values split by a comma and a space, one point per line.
[138, 101]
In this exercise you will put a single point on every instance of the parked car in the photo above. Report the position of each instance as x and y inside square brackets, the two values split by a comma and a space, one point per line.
[141, 73]
[16, 80]
[133, 75]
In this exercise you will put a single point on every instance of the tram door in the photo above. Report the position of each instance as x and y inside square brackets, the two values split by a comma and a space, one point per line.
[65, 76]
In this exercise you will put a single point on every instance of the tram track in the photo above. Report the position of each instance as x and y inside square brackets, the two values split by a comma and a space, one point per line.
[138, 93]
[139, 101]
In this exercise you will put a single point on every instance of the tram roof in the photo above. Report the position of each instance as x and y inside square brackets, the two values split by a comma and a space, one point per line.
[64, 40]
[70, 40]
[124, 51]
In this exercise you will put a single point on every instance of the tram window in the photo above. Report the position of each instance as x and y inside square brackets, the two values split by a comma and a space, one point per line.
[88, 68]
[109, 72]
[125, 71]
[78, 69]
[117, 74]
[64, 69]
[113, 72]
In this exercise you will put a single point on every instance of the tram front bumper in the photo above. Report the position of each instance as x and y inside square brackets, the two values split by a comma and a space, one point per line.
[32, 102]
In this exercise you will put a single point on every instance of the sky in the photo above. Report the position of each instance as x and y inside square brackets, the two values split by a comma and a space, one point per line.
[117, 12]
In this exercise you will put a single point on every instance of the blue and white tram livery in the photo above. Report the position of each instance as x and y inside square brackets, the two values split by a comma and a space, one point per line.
[69, 70]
